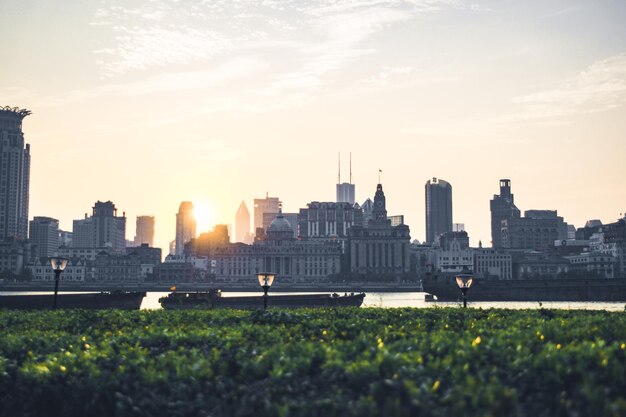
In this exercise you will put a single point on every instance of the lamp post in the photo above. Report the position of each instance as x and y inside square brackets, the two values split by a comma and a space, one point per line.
[265, 281]
[58, 264]
[464, 281]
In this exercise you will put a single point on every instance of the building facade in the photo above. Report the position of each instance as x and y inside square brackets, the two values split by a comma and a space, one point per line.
[327, 220]
[502, 207]
[44, 236]
[438, 208]
[185, 226]
[264, 205]
[144, 230]
[103, 229]
[493, 263]
[378, 248]
[14, 174]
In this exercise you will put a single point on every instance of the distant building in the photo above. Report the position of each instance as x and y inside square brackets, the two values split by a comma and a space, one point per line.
[589, 264]
[537, 230]
[367, 207]
[14, 255]
[438, 208]
[77, 270]
[185, 226]
[264, 205]
[14, 174]
[345, 190]
[86, 254]
[378, 248]
[396, 220]
[206, 243]
[118, 268]
[103, 229]
[502, 208]
[493, 263]
[65, 238]
[144, 231]
[447, 239]
[44, 236]
[242, 224]
[292, 218]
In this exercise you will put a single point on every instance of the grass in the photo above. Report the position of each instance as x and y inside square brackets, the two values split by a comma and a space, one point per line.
[344, 362]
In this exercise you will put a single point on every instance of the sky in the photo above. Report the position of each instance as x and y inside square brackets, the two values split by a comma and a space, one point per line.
[148, 103]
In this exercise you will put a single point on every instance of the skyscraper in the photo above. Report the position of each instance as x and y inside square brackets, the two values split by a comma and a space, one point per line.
[242, 223]
[185, 226]
[43, 234]
[345, 190]
[144, 231]
[264, 205]
[14, 174]
[502, 208]
[438, 208]
[103, 229]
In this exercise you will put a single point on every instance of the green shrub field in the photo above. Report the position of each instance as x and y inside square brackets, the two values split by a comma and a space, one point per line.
[327, 362]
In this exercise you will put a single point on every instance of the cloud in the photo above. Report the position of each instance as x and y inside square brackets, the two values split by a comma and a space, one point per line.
[601, 87]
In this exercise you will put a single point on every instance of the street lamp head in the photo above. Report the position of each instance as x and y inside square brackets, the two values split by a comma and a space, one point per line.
[266, 279]
[58, 264]
[464, 281]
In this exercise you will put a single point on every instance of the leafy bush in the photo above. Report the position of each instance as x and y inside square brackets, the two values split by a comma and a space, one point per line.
[343, 362]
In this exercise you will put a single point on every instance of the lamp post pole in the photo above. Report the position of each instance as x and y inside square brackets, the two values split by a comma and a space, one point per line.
[57, 278]
[265, 289]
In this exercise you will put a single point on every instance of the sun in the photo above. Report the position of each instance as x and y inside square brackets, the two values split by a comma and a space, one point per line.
[203, 212]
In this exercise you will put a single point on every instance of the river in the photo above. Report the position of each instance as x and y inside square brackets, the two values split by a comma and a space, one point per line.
[397, 299]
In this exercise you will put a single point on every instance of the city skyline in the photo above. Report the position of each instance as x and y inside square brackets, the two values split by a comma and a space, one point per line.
[164, 110]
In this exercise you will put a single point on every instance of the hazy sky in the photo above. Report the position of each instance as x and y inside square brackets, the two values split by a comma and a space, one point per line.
[151, 102]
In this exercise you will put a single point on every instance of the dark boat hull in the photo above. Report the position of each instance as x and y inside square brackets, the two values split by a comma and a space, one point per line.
[183, 301]
[609, 289]
[122, 300]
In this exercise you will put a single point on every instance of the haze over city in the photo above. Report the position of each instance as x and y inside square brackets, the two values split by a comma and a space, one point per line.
[216, 102]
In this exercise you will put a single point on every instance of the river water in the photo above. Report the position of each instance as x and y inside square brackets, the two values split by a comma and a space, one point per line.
[400, 299]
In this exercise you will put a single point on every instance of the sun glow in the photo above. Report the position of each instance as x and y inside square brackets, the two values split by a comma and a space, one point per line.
[203, 211]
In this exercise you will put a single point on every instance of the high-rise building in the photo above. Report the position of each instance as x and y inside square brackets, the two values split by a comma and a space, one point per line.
[502, 208]
[14, 174]
[345, 190]
[242, 224]
[43, 234]
[103, 229]
[262, 206]
[438, 208]
[144, 231]
[185, 226]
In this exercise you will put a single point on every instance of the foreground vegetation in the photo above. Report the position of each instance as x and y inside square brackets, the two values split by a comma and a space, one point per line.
[345, 362]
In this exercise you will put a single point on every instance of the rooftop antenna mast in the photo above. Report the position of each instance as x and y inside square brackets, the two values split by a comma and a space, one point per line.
[339, 170]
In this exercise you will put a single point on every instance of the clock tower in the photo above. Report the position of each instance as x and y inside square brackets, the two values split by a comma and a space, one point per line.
[379, 211]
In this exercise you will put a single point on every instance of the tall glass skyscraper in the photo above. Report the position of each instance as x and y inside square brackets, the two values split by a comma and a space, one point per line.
[14, 174]
[438, 208]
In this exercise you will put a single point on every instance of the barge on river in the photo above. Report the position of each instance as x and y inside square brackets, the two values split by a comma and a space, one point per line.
[213, 299]
[123, 300]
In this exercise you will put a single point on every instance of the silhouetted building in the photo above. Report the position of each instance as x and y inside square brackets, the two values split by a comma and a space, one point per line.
[367, 207]
[448, 238]
[103, 229]
[65, 238]
[242, 224]
[328, 221]
[396, 220]
[185, 226]
[77, 270]
[378, 248]
[14, 174]
[264, 205]
[438, 208]
[144, 231]
[206, 243]
[44, 236]
[502, 208]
